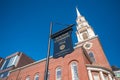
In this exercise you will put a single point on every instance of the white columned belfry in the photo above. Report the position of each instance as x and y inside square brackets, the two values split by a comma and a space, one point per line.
[84, 31]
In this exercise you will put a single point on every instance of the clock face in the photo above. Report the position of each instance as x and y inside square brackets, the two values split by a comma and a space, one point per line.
[87, 45]
[62, 47]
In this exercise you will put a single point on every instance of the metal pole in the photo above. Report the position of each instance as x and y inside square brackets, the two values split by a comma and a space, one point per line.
[48, 54]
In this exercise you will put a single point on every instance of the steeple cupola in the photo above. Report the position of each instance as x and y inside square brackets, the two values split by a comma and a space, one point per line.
[84, 30]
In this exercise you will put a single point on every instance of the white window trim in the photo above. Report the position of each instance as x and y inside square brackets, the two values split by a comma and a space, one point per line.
[13, 61]
[36, 75]
[58, 69]
[73, 76]
[27, 78]
[93, 55]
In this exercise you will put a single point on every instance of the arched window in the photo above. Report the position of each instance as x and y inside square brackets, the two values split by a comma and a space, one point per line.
[27, 78]
[85, 35]
[36, 77]
[74, 71]
[91, 55]
[58, 74]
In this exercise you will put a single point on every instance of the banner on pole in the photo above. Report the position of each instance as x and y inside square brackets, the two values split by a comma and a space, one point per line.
[62, 42]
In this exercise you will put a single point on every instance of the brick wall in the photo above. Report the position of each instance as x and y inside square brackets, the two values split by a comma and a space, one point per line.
[64, 63]
[99, 54]
[77, 55]
[1, 62]
[24, 60]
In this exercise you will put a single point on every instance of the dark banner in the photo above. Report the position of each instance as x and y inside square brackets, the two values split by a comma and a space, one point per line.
[63, 44]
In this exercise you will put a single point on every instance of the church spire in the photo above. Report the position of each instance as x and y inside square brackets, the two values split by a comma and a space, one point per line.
[78, 13]
[84, 30]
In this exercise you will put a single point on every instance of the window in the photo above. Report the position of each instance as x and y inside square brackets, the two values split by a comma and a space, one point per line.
[58, 73]
[27, 78]
[74, 71]
[5, 64]
[36, 76]
[4, 74]
[85, 35]
[117, 74]
[91, 55]
[10, 62]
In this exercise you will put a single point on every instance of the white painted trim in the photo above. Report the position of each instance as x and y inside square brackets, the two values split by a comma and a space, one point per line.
[110, 77]
[14, 61]
[58, 69]
[101, 71]
[79, 44]
[97, 69]
[36, 76]
[90, 75]
[101, 75]
[72, 71]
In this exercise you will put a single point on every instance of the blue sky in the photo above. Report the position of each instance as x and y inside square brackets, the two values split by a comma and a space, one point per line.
[24, 24]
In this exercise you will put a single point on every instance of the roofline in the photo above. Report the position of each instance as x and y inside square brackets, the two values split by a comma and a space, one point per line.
[30, 64]
[16, 53]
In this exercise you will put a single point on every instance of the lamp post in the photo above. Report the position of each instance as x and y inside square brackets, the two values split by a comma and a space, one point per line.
[48, 53]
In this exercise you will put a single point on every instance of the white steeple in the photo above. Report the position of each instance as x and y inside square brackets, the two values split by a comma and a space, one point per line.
[78, 13]
[84, 31]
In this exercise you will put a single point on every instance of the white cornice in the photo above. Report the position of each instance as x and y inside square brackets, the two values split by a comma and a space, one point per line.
[98, 68]
[79, 44]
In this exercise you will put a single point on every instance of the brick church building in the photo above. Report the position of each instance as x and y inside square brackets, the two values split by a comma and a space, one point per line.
[86, 62]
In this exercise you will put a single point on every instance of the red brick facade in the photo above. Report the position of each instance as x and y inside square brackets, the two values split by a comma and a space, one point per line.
[1, 62]
[77, 56]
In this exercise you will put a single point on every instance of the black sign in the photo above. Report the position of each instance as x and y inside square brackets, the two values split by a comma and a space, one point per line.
[62, 43]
